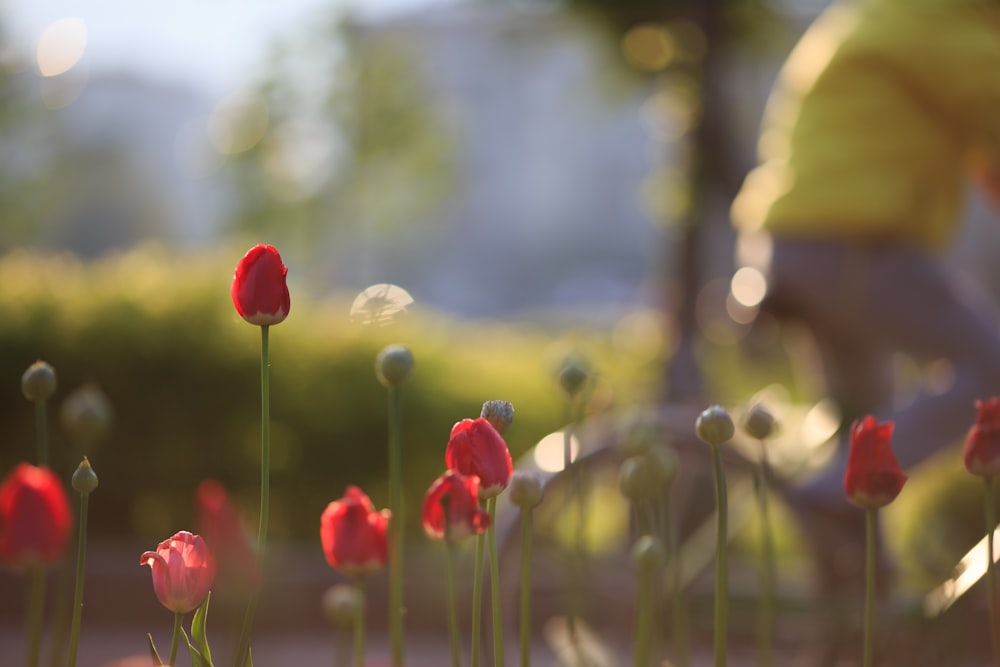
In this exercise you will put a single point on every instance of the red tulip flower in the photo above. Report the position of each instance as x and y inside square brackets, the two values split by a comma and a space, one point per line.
[476, 448]
[451, 508]
[183, 571]
[873, 476]
[982, 445]
[353, 534]
[35, 518]
[222, 529]
[259, 290]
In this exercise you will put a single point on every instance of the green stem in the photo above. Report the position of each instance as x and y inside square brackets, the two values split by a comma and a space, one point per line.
[869, 630]
[676, 589]
[498, 661]
[35, 613]
[243, 646]
[396, 609]
[175, 641]
[644, 624]
[991, 523]
[265, 440]
[81, 555]
[765, 612]
[721, 559]
[60, 616]
[477, 597]
[526, 536]
[456, 660]
[42, 433]
[359, 623]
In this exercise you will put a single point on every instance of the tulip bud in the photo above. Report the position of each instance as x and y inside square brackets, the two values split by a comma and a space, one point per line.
[342, 603]
[662, 462]
[84, 479]
[649, 552]
[714, 425]
[758, 422]
[393, 365]
[634, 478]
[500, 414]
[573, 375]
[86, 414]
[525, 489]
[38, 382]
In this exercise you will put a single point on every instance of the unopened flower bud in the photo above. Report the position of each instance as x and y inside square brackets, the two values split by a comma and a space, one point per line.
[649, 552]
[758, 422]
[662, 462]
[634, 478]
[393, 365]
[500, 414]
[342, 604]
[714, 425]
[84, 479]
[86, 414]
[38, 382]
[573, 375]
[525, 489]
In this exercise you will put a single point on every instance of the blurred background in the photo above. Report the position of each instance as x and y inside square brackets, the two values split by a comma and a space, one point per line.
[541, 178]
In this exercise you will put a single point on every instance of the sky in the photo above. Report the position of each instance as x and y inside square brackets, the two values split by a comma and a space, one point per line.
[207, 43]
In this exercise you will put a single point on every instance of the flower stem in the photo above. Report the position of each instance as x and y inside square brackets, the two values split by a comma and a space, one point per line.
[498, 661]
[644, 624]
[456, 660]
[265, 440]
[81, 554]
[721, 559]
[870, 518]
[42, 433]
[526, 535]
[765, 609]
[243, 646]
[477, 597]
[175, 641]
[395, 527]
[680, 622]
[359, 623]
[35, 613]
[991, 523]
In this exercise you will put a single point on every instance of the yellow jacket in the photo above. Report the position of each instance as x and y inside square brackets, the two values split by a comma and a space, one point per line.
[875, 118]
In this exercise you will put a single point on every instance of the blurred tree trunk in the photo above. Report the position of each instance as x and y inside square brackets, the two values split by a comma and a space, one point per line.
[714, 177]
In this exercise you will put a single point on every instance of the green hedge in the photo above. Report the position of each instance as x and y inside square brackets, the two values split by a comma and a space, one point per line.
[158, 333]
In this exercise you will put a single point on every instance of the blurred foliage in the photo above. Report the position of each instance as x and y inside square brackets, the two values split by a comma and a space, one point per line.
[158, 334]
[353, 140]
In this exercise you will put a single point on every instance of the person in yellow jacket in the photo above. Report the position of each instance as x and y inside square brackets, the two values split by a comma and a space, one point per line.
[880, 117]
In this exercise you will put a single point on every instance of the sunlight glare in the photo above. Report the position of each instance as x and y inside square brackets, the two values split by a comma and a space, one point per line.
[748, 286]
[549, 454]
[380, 304]
[61, 46]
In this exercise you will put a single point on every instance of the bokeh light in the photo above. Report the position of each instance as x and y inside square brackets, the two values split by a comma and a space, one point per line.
[380, 304]
[238, 123]
[549, 454]
[61, 46]
[648, 47]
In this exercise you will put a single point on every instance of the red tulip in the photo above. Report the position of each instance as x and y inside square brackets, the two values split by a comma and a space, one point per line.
[35, 518]
[982, 446]
[183, 571]
[873, 476]
[353, 534]
[222, 528]
[476, 448]
[451, 508]
[259, 290]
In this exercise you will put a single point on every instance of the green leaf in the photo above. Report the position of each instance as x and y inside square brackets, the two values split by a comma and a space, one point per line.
[249, 657]
[157, 661]
[196, 658]
[199, 632]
